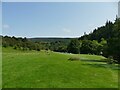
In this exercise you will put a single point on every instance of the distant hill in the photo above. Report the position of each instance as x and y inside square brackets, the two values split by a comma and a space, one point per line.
[67, 40]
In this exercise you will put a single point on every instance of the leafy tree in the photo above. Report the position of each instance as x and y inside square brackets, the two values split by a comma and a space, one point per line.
[114, 42]
[86, 47]
[103, 47]
[74, 46]
[90, 47]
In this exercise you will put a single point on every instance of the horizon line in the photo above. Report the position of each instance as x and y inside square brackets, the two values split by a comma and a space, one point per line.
[42, 36]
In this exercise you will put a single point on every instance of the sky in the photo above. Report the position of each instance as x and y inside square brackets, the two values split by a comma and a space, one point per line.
[55, 19]
[59, 0]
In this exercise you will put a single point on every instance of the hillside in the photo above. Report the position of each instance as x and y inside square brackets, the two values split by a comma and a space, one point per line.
[109, 30]
[67, 40]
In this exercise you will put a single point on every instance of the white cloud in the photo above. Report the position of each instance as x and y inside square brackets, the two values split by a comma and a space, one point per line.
[66, 30]
[6, 26]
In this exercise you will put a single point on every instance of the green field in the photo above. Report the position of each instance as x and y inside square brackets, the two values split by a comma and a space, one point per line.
[47, 69]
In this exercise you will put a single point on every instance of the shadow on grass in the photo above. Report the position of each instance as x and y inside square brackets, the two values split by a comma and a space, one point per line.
[103, 65]
[112, 66]
[94, 60]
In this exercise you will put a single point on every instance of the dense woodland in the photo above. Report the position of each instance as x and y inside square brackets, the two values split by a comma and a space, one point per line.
[104, 40]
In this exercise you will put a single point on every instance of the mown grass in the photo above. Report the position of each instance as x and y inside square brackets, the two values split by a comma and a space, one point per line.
[0, 67]
[33, 69]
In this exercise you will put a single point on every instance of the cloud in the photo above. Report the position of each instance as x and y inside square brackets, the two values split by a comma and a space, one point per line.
[66, 30]
[6, 26]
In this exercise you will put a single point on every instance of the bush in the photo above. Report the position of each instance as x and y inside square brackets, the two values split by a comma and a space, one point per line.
[110, 60]
[74, 59]
[15, 47]
[38, 49]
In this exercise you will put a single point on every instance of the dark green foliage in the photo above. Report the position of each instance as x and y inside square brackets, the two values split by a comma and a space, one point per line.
[19, 43]
[101, 32]
[85, 47]
[110, 60]
[27, 44]
[74, 46]
[38, 49]
[108, 37]
[65, 40]
[91, 47]
[15, 47]
[114, 42]
[114, 48]
[103, 47]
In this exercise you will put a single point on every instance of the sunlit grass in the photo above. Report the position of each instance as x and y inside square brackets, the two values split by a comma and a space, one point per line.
[38, 69]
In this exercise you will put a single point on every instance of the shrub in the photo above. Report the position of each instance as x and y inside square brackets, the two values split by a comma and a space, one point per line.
[110, 60]
[15, 47]
[74, 59]
[38, 49]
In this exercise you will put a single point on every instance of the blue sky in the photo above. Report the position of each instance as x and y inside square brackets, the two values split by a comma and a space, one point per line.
[50, 19]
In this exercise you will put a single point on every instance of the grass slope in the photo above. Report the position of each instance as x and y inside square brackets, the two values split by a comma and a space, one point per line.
[32, 69]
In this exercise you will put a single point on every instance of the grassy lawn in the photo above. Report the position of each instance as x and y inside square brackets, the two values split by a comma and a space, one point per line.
[32, 69]
[0, 67]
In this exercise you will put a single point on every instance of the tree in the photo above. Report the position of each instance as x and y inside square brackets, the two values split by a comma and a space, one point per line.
[74, 46]
[114, 48]
[114, 42]
[103, 47]
[86, 47]
[89, 47]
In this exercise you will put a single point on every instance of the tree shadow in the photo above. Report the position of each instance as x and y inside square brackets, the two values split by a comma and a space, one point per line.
[94, 60]
[112, 66]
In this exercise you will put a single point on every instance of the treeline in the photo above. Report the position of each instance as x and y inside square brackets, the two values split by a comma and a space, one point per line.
[19, 43]
[87, 46]
[27, 44]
